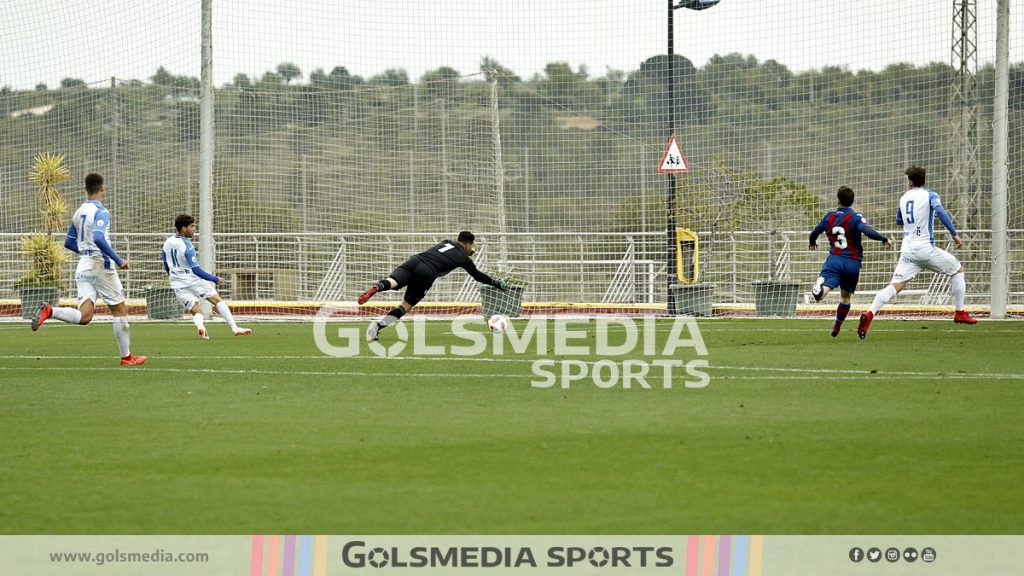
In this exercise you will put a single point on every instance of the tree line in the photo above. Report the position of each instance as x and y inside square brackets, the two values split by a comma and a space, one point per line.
[568, 135]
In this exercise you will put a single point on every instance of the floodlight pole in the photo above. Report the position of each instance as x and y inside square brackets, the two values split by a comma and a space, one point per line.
[671, 197]
[671, 274]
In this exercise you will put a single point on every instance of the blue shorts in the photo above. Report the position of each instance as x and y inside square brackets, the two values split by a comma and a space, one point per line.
[841, 271]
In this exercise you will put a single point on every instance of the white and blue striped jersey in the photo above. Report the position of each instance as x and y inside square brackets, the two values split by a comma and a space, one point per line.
[180, 259]
[179, 256]
[89, 234]
[916, 213]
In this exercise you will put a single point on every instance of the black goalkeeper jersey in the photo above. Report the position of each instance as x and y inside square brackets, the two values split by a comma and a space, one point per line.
[447, 256]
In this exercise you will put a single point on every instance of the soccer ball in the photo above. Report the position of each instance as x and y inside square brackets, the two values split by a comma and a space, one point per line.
[498, 323]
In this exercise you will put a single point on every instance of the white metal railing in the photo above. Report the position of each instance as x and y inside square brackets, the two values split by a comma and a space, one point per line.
[573, 267]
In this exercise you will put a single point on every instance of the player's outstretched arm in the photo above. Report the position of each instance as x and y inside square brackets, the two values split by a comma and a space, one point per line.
[101, 242]
[870, 232]
[936, 204]
[101, 223]
[482, 278]
[946, 220]
[190, 257]
[205, 275]
[71, 240]
[812, 240]
[873, 234]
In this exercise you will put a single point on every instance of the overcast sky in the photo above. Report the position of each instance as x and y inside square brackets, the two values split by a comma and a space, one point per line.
[47, 40]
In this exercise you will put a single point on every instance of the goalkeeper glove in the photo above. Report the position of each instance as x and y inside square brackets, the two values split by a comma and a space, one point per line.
[501, 284]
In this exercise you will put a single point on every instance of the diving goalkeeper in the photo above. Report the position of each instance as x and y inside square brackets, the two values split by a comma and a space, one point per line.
[417, 275]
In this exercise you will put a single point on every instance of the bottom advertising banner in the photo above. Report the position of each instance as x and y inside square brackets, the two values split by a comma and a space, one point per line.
[702, 555]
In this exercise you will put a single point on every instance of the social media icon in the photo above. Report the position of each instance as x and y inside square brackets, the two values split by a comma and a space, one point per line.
[892, 554]
[874, 554]
[856, 554]
[928, 554]
[910, 554]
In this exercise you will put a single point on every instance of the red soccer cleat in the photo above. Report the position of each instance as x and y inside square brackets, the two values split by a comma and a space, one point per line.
[962, 317]
[133, 360]
[865, 322]
[835, 328]
[242, 332]
[44, 312]
[367, 295]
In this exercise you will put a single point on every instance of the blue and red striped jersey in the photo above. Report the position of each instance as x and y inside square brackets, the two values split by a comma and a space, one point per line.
[844, 227]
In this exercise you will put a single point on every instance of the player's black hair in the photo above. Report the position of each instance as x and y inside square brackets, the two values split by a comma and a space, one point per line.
[845, 196]
[466, 237]
[183, 221]
[916, 175]
[93, 183]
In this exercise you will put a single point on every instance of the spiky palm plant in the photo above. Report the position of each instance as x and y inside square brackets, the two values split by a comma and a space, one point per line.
[45, 254]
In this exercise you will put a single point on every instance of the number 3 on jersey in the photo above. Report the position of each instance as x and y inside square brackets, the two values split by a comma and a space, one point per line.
[840, 233]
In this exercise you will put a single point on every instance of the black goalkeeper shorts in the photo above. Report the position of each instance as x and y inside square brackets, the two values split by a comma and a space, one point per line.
[417, 276]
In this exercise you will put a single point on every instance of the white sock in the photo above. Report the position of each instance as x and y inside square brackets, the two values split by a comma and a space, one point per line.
[387, 321]
[959, 290]
[882, 298]
[225, 312]
[198, 319]
[123, 335]
[69, 315]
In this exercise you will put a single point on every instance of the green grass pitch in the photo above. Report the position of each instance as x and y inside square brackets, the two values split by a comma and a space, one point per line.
[915, 430]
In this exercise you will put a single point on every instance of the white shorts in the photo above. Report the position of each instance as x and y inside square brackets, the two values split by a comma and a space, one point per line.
[935, 259]
[95, 282]
[192, 290]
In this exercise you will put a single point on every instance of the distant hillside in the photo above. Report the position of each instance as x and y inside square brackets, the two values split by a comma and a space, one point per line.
[579, 153]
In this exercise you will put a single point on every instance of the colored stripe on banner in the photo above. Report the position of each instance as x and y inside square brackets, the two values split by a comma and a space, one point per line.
[707, 557]
[692, 551]
[273, 555]
[724, 551]
[289, 556]
[739, 555]
[305, 556]
[756, 555]
[320, 557]
[256, 565]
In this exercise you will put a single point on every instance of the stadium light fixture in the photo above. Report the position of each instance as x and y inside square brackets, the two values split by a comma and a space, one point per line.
[672, 273]
[696, 4]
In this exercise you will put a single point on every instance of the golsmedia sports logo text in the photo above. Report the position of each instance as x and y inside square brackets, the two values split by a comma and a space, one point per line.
[359, 554]
[630, 353]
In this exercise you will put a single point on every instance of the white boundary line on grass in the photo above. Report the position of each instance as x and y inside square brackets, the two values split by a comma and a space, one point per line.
[821, 329]
[141, 370]
[871, 376]
[832, 372]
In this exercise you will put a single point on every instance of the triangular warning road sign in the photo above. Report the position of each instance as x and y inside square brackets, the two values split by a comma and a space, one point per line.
[673, 160]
